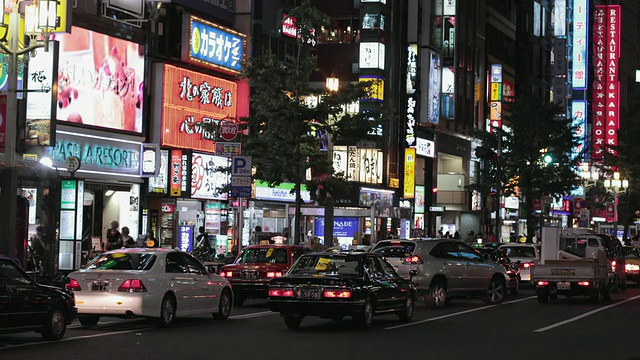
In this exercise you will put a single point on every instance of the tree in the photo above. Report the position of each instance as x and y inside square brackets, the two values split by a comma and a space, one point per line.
[286, 131]
[534, 158]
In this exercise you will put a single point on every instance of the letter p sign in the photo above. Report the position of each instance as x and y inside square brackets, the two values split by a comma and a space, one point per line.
[241, 166]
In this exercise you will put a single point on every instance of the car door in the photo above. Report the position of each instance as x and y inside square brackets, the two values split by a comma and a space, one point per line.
[379, 283]
[477, 270]
[203, 294]
[396, 290]
[27, 303]
[447, 262]
[180, 281]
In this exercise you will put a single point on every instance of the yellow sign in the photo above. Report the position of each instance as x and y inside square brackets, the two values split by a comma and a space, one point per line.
[496, 91]
[376, 90]
[64, 16]
[394, 183]
[322, 264]
[409, 172]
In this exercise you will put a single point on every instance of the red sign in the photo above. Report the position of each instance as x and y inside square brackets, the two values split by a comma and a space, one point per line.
[175, 173]
[228, 130]
[610, 211]
[289, 27]
[193, 104]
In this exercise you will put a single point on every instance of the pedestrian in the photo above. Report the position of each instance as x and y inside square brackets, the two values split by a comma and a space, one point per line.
[202, 240]
[127, 240]
[253, 240]
[456, 235]
[470, 238]
[150, 240]
[114, 238]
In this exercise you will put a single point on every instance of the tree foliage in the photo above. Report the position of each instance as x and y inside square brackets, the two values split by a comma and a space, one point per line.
[533, 130]
[291, 122]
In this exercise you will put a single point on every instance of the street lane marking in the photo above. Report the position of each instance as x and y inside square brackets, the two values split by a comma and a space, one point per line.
[585, 315]
[72, 338]
[253, 315]
[456, 314]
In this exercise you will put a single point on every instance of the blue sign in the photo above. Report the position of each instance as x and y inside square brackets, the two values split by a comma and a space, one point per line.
[342, 227]
[215, 46]
[185, 238]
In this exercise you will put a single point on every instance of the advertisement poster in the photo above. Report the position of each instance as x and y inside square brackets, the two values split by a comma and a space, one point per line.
[206, 179]
[185, 238]
[342, 227]
[42, 82]
[158, 184]
[419, 200]
[100, 81]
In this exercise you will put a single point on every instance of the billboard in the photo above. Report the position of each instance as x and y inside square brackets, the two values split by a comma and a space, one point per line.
[579, 73]
[191, 102]
[42, 83]
[100, 81]
[207, 180]
[211, 45]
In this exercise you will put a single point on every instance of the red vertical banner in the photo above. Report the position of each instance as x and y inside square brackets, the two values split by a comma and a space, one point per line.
[599, 81]
[610, 211]
[612, 53]
[175, 173]
[3, 120]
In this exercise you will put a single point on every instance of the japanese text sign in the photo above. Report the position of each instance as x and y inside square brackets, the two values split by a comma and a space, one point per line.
[213, 46]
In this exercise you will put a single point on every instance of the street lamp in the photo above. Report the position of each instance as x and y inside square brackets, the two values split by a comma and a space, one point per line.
[40, 21]
[332, 83]
[589, 175]
[616, 186]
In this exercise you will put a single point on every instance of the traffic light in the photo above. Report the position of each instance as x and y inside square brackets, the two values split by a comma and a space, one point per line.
[547, 158]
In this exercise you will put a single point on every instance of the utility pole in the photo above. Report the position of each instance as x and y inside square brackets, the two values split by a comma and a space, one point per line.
[498, 230]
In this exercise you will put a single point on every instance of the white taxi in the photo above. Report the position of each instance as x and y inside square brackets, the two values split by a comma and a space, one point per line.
[527, 254]
[148, 282]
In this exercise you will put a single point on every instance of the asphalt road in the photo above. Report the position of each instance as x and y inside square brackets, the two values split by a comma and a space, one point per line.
[520, 328]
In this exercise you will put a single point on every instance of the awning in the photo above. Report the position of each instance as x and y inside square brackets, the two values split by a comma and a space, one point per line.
[29, 170]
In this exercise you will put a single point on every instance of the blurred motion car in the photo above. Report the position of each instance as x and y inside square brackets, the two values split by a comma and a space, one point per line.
[449, 268]
[256, 265]
[395, 252]
[632, 265]
[526, 253]
[155, 283]
[335, 285]
[28, 306]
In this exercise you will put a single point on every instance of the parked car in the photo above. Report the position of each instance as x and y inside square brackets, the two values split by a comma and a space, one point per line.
[526, 253]
[350, 248]
[335, 285]
[449, 268]
[256, 265]
[148, 282]
[632, 265]
[395, 252]
[28, 306]
[498, 256]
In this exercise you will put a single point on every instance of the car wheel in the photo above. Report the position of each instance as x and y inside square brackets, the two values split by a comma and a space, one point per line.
[167, 311]
[407, 310]
[437, 296]
[365, 320]
[224, 306]
[292, 322]
[495, 292]
[88, 320]
[515, 290]
[55, 326]
[543, 299]
[238, 301]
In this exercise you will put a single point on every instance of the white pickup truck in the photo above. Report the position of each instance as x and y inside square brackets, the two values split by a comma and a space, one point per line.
[562, 272]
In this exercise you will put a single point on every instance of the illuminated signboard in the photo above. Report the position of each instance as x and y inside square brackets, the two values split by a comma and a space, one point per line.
[425, 147]
[409, 172]
[373, 21]
[433, 90]
[412, 80]
[190, 102]
[211, 45]
[98, 155]
[579, 116]
[382, 200]
[375, 91]
[559, 18]
[159, 183]
[358, 164]
[282, 192]
[580, 39]
[342, 227]
[419, 200]
[100, 81]
[207, 179]
[289, 27]
[178, 172]
[185, 237]
[42, 82]
[613, 85]
[371, 55]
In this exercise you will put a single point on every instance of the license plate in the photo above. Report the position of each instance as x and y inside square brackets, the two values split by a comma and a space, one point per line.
[564, 286]
[310, 293]
[99, 286]
[249, 275]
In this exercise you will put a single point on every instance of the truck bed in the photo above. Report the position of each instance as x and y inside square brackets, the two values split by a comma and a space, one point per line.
[569, 270]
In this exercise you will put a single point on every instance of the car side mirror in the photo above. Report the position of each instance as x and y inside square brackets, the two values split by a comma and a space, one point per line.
[212, 269]
[412, 273]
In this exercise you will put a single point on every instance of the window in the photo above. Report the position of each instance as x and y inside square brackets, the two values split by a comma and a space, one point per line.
[175, 264]
[12, 276]
[445, 250]
[375, 268]
[194, 266]
[519, 251]
[468, 253]
[263, 255]
[388, 269]
[122, 261]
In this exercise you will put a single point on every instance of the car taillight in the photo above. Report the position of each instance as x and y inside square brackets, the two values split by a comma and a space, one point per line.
[343, 294]
[226, 273]
[527, 265]
[73, 285]
[543, 283]
[271, 274]
[415, 259]
[281, 292]
[584, 283]
[132, 285]
[613, 265]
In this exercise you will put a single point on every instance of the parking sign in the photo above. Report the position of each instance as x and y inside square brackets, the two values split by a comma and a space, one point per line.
[241, 166]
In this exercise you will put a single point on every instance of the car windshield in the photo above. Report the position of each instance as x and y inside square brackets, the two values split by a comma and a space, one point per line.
[327, 264]
[519, 251]
[263, 255]
[122, 261]
[631, 253]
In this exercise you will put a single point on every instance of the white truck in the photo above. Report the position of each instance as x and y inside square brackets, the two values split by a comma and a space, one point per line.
[573, 263]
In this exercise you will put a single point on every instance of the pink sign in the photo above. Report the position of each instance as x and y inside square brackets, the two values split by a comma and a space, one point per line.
[599, 82]
[3, 120]
[613, 85]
